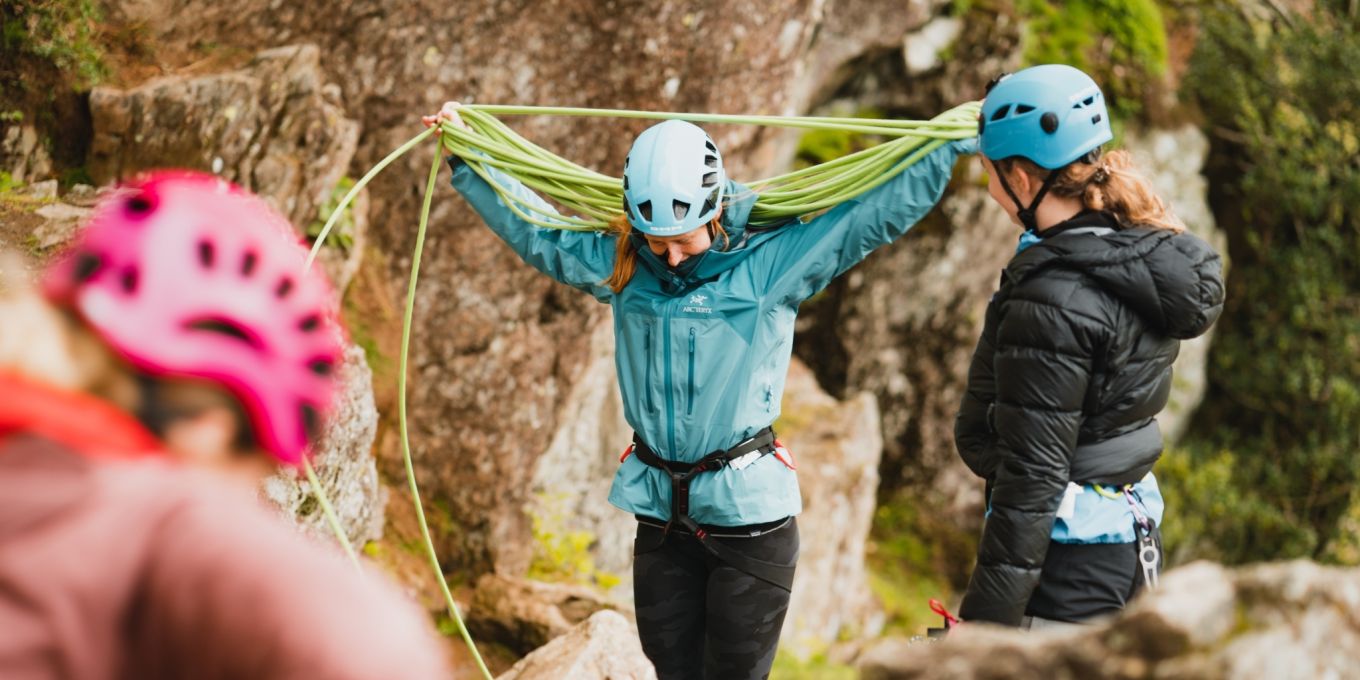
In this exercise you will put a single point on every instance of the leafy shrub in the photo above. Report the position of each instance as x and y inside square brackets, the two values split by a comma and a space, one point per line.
[1281, 422]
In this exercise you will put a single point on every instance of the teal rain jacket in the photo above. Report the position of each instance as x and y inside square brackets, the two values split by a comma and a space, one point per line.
[703, 349]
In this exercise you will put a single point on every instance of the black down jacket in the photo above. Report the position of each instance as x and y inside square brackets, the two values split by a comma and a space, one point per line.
[1074, 362]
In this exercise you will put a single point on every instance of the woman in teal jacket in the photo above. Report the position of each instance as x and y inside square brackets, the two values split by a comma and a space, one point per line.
[704, 312]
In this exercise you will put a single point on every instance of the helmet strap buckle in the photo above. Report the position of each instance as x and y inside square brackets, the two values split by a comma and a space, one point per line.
[1028, 214]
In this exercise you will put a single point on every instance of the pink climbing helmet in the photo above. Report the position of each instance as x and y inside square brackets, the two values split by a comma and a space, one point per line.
[187, 275]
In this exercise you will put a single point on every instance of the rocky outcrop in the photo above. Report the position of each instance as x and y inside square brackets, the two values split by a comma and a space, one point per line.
[837, 446]
[343, 464]
[22, 153]
[604, 647]
[571, 479]
[274, 126]
[1288, 620]
[523, 615]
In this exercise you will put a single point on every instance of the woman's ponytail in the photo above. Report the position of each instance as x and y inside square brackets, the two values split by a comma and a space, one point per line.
[1109, 184]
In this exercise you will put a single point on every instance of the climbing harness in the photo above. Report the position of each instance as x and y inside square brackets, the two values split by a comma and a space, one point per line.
[489, 143]
[681, 474]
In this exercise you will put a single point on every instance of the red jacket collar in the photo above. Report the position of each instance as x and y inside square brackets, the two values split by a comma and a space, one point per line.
[80, 421]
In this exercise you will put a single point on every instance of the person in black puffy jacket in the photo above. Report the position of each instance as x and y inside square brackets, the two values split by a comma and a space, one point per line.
[1075, 359]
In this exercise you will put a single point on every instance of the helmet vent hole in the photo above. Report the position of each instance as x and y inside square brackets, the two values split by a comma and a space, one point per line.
[284, 288]
[710, 179]
[1095, 119]
[139, 205]
[206, 254]
[681, 209]
[248, 263]
[129, 280]
[711, 201]
[1023, 108]
[1001, 112]
[625, 182]
[87, 265]
[226, 328]
[1089, 101]
[321, 367]
[1049, 122]
[309, 323]
[708, 144]
[645, 209]
[311, 420]
[711, 161]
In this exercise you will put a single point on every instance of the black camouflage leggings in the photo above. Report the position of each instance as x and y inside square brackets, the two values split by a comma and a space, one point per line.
[701, 619]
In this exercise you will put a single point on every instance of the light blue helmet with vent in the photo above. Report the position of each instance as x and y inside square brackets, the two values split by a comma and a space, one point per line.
[673, 179]
[1052, 115]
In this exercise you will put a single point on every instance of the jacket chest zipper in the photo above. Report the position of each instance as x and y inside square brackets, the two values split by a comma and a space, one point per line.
[666, 381]
[689, 408]
[647, 353]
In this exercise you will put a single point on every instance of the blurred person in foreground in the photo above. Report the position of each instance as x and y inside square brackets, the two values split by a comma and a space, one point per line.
[1075, 357]
[178, 353]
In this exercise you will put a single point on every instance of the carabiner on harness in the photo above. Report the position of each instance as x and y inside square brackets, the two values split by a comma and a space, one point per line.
[1149, 554]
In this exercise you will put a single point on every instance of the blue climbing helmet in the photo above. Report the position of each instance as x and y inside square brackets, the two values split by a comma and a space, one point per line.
[673, 179]
[1052, 114]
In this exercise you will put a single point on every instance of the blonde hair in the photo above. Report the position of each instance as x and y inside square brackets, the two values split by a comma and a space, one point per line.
[625, 255]
[43, 342]
[1110, 184]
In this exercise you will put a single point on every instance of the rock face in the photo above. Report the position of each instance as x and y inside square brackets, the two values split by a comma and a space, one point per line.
[1288, 620]
[604, 647]
[22, 155]
[837, 446]
[343, 463]
[274, 127]
[570, 485]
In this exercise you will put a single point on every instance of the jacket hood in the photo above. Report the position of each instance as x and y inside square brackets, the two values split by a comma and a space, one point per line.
[1174, 281]
[708, 265]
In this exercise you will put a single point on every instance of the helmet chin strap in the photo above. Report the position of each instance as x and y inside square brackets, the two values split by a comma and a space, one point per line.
[1027, 214]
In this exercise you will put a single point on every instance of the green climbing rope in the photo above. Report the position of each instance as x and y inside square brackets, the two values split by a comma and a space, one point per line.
[489, 143]
[331, 519]
[597, 198]
[402, 423]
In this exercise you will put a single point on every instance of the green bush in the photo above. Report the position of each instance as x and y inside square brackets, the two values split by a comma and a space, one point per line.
[1120, 43]
[60, 31]
[1281, 100]
[915, 556]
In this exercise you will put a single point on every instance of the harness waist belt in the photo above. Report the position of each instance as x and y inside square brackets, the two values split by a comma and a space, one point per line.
[681, 474]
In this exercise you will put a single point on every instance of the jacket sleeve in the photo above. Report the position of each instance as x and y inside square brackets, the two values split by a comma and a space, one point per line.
[806, 256]
[1043, 367]
[582, 260]
[230, 592]
[974, 434]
